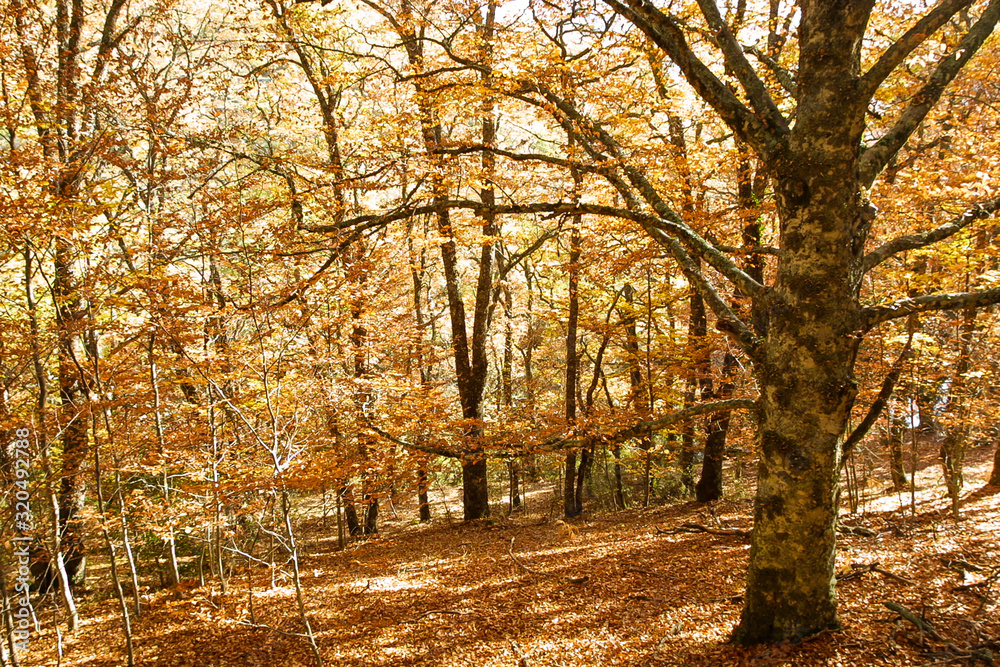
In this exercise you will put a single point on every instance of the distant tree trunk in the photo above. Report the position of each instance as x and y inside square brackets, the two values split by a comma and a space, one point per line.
[571, 505]
[637, 394]
[616, 451]
[371, 514]
[583, 473]
[926, 398]
[418, 270]
[514, 474]
[995, 475]
[470, 356]
[71, 316]
[346, 491]
[507, 392]
[748, 192]
[697, 383]
[709, 485]
[894, 442]
[955, 441]
[533, 339]
[423, 485]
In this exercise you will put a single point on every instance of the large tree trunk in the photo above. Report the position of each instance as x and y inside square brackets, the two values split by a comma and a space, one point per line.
[807, 375]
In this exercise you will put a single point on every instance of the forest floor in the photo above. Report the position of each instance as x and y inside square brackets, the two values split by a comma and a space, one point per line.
[626, 588]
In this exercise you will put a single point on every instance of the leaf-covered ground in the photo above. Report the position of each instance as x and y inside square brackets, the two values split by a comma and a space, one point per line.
[626, 589]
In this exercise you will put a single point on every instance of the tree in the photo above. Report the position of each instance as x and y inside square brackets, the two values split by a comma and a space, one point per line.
[822, 172]
[61, 91]
[803, 337]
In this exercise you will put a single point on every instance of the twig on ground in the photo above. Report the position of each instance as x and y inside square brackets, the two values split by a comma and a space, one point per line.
[510, 552]
[522, 658]
[698, 528]
[858, 570]
[921, 624]
[262, 626]
[429, 612]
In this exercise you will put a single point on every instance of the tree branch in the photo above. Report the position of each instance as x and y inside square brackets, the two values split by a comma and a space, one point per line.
[783, 76]
[905, 45]
[437, 451]
[737, 62]
[875, 158]
[879, 403]
[519, 157]
[768, 140]
[698, 245]
[914, 241]
[728, 321]
[875, 315]
[643, 427]
[560, 443]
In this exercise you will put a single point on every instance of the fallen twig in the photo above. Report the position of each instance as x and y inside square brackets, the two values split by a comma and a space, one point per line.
[698, 528]
[522, 658]
[261, 626]
[860, 569]
[959, 564]
[921, 624]
[453, 612]
[857, 530]
[898, 578]
[510, 552]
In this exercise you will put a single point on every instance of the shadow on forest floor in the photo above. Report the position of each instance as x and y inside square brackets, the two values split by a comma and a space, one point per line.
[618, 592]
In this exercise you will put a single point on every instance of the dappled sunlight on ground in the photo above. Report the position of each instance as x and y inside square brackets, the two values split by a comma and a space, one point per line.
[622, 591]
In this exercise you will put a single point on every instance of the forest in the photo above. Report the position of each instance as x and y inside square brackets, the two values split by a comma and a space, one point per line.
[499, 332]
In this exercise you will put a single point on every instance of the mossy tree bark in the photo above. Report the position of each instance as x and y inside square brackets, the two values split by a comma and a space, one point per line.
[821, 172]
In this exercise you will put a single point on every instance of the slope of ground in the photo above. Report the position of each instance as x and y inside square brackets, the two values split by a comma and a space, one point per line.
[627, 588]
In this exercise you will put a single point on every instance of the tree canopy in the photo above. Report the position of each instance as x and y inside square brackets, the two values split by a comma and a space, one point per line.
[256, 250]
